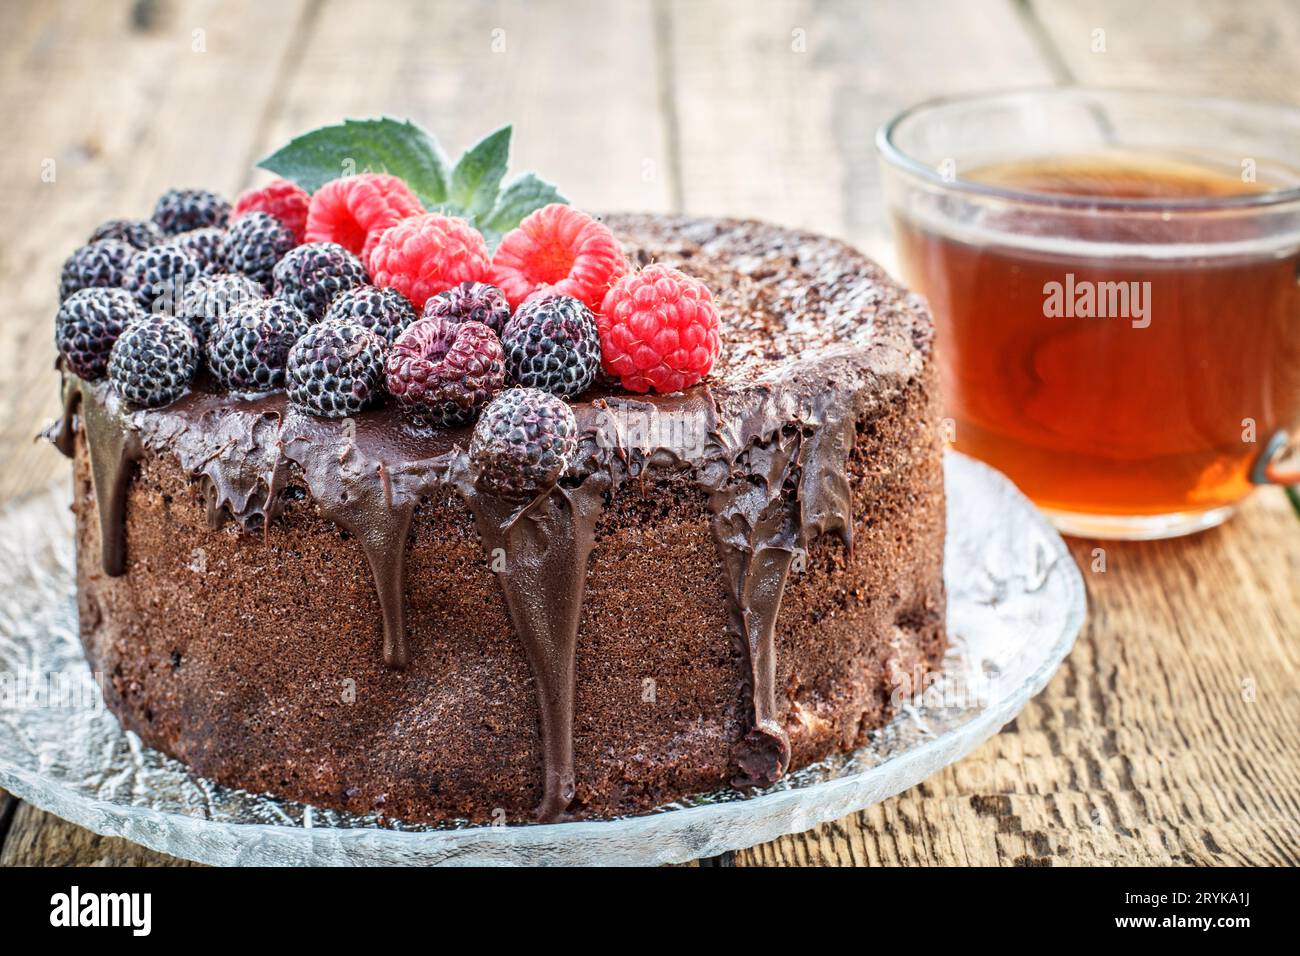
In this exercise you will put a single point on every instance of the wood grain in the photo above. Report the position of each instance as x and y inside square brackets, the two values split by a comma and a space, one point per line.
[1194, 46]
[118, 105]
[778, 111]
[37, 838]
[1167, 737]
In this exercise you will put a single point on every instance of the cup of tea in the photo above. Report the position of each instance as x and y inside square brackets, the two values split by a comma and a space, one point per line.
[1113, 276]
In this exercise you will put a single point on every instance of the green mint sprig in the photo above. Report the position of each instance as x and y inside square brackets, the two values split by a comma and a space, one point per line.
[471, 189]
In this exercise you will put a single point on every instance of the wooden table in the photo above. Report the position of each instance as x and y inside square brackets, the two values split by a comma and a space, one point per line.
[1169, 735]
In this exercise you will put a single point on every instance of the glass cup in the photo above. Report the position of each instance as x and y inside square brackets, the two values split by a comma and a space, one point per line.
[1113, 276]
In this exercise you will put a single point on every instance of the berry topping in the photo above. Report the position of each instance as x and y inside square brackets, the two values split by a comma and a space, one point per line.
[336, 369]
[158, 277]
[154, 361]
[523, 442]
[310, 276]
[552, 344]
[208, 299]
[471, 302]
[384, 311]
[249, 348]
[658, 330]
[180, 210]
[444, 372]
[203, 245]
[280, 198]
[102, 263]
[88, 323]
[354, 210]
[140, 233]
[254, 244]
[562, 250]
[425, 255]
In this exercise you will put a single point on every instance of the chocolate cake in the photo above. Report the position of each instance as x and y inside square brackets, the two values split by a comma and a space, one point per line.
[727, 582]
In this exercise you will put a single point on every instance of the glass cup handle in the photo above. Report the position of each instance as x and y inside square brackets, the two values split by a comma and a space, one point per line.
[1279, 463]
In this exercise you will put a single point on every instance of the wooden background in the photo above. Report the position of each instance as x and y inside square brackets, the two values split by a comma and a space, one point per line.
[1170, 734]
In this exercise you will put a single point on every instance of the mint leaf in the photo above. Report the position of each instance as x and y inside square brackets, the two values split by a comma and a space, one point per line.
[383, 145]
[524, 195]
[476, 179]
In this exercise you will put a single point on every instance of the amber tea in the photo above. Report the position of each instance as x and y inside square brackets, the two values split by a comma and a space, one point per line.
[1111, 366]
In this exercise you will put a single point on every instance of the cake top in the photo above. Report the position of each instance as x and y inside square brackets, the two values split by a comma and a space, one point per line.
[354, 297]
[804, 321]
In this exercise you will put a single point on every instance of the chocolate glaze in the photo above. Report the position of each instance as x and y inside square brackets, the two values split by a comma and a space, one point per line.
[767, 440]
[62, 433]
[114, 452]
[544, 546]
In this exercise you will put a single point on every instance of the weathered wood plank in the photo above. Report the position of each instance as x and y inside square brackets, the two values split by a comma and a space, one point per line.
[577, 80]
[1196, 46]
[38, 839]
[777, 113]
[104, 114]
[8, 807]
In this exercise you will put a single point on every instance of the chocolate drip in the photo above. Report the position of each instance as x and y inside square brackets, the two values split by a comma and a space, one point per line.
[62, 434]
[544, 546]
[782, 492]
[241, 470]
[359, 500]
[114, 451]
[755, 527]
[385, 546]
[361, 494]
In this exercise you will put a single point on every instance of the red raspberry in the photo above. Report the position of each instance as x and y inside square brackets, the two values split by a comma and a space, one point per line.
[444, 371]
[280, 198]
[354, 210]
[425, 255]
[658, 330]
[558, 249]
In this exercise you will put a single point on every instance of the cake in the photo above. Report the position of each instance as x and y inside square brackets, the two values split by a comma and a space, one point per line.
[241, 567]
[726, 582]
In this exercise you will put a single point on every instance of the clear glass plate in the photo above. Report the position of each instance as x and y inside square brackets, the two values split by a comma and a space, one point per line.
[1016, 602]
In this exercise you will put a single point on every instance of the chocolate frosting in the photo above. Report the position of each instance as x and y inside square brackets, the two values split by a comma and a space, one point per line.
[767, 438]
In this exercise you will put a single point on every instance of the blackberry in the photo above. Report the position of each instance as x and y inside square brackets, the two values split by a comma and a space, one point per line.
[311, 275]
[249, 348]
[386, 312]
[158, 277]
[154, 361]
[180, 210]
[443, 373]
[140, 233]
[204, 245]
[552, 344]
[336, 369]
[208, 299]
[100, 264]
[253, 245]
[523, 442]
[87, 325]
[471, 302]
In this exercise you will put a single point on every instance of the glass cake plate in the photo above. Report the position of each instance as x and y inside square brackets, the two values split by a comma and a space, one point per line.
[1016, 602]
